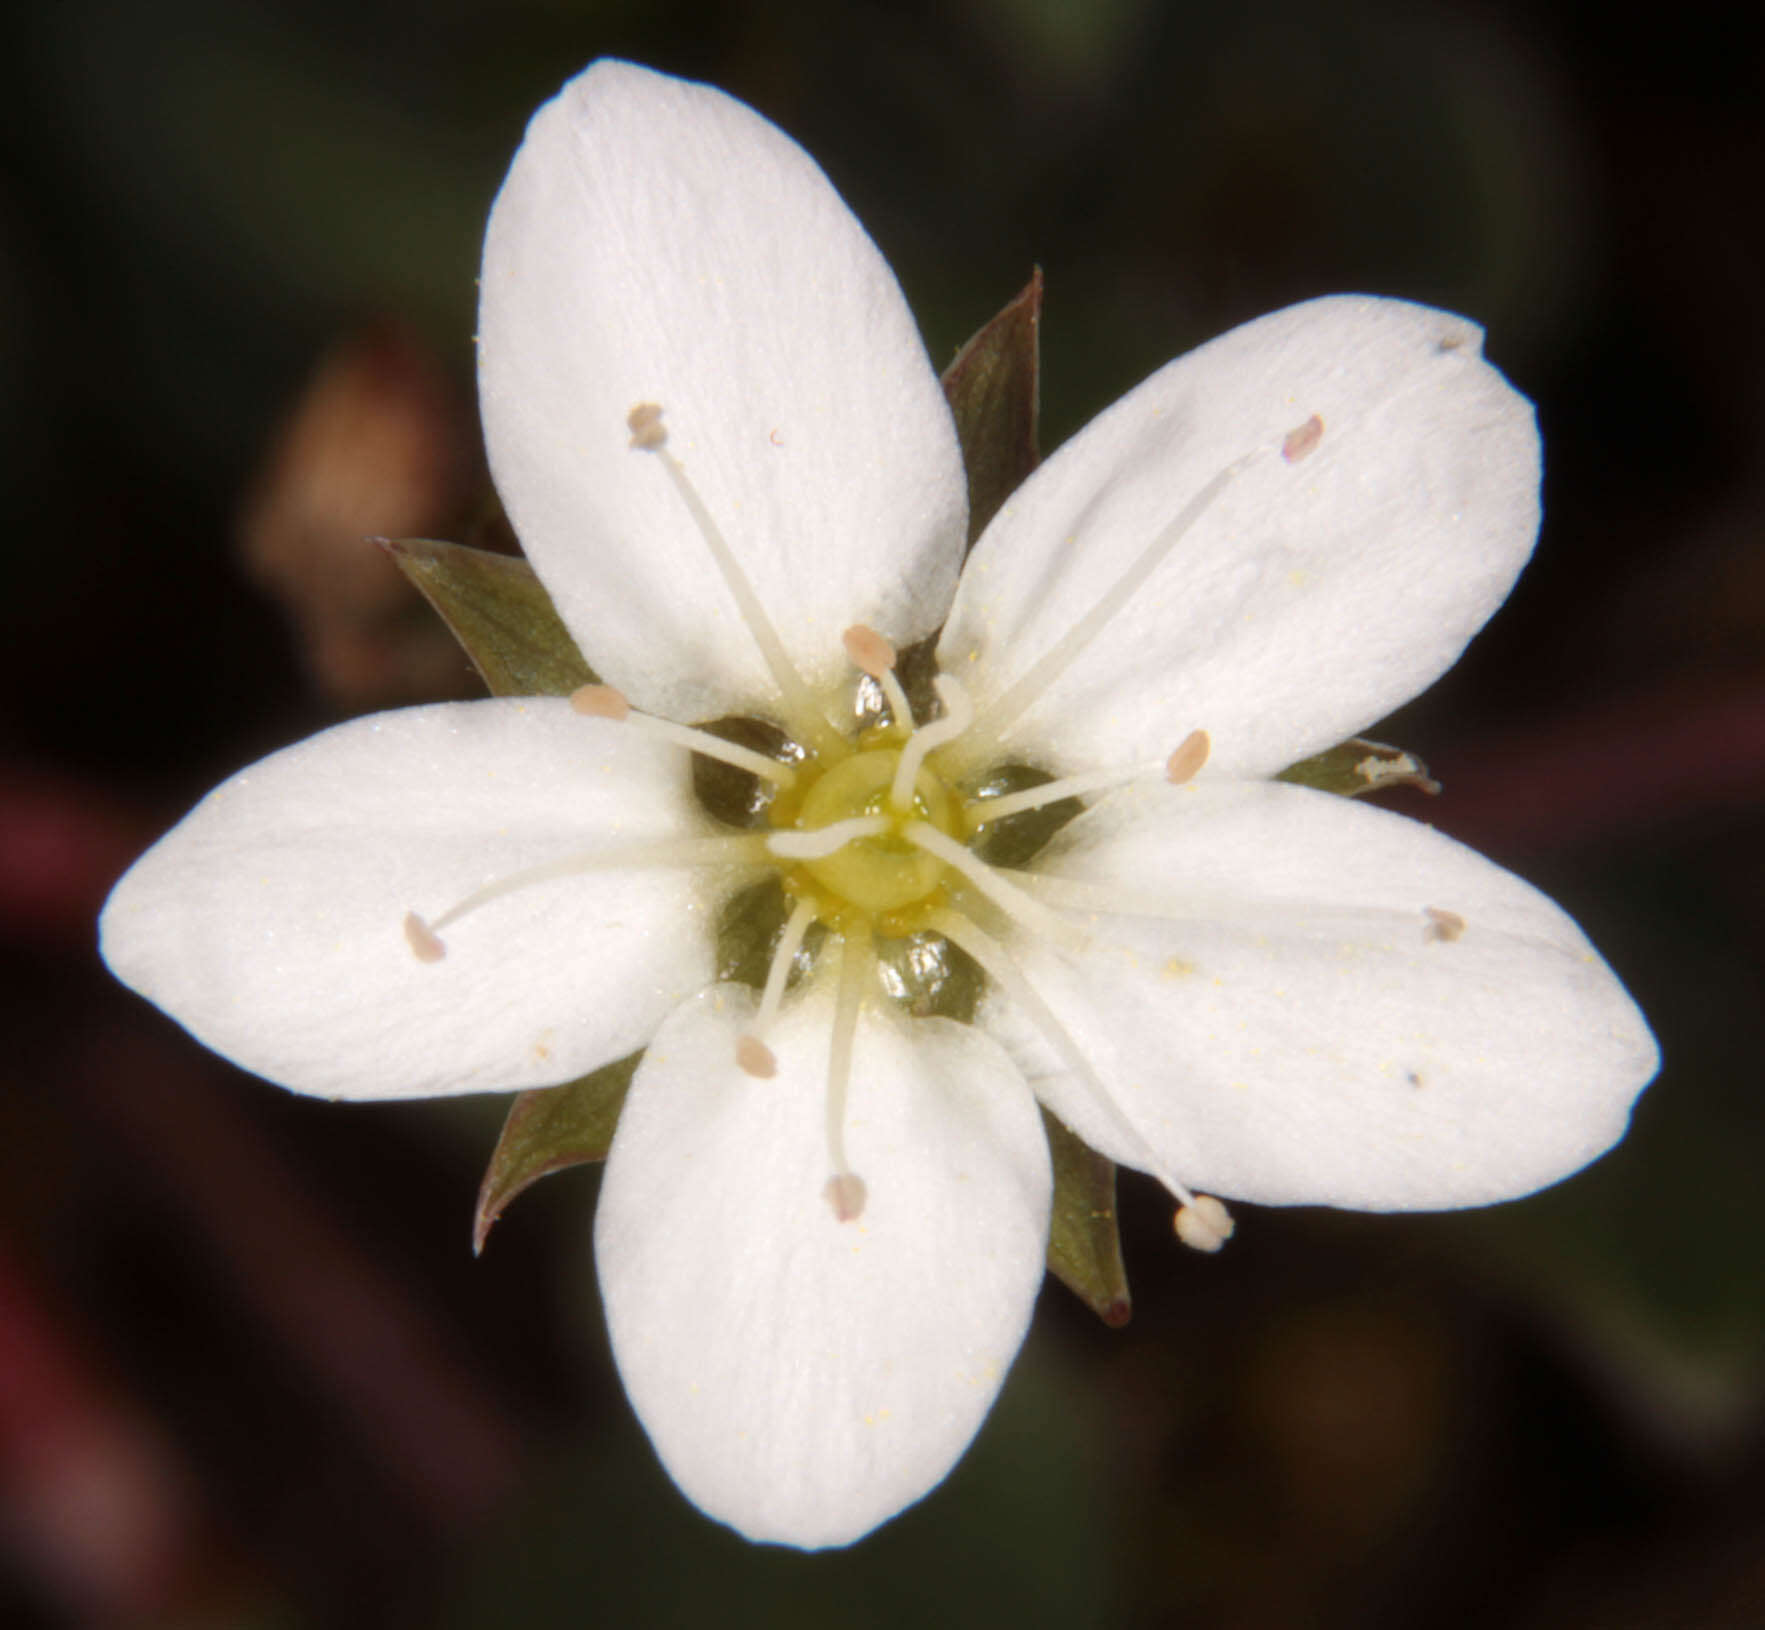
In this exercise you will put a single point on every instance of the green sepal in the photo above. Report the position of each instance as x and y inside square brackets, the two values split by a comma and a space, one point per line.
[549, 1130]
[1359, 766]
[499, 611]
[1084, 1238]
[994, 389]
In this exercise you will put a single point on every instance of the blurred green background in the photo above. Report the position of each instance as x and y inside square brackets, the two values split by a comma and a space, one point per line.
[250, 1374]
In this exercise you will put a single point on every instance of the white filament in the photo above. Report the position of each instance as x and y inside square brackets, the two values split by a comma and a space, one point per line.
[1005, 709]
[958, 715]
[827, 840]
[777, 976]
[991, 882]
[598, 702]
[855, 962]
[804, 719]
[996, 961]
[984, 811]
[423, 934]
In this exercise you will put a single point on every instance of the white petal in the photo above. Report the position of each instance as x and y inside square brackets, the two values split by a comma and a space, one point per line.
[1316, 1001]
[269, 922]
[1314, 595]
[803, 1379]
[659, 242]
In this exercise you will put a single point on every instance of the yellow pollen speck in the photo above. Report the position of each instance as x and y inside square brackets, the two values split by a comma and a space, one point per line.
[1178, 968]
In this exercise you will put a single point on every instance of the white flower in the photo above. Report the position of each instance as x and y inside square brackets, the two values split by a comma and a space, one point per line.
[822, 1225]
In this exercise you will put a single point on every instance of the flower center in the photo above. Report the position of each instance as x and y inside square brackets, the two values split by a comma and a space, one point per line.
[869, 840]
[887, 870]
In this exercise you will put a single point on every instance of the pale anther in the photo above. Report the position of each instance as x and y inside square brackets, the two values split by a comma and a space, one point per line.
[600, 702]
[869, 651]
[846, 1193]
[1203, 1224]
[424, 942]
[756, 1058]
[647, 430]
[1186, 761]
[1302, 439]
[1442, 925]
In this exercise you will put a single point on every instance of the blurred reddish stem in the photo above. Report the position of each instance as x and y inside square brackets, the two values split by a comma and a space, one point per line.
[414, 1403]
[93, 1503]
[62, 844]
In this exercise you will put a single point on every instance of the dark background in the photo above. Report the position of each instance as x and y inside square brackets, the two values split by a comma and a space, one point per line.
[250, 1374]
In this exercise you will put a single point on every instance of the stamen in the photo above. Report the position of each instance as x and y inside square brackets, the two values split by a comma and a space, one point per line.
[604, 702]
[751, 1052]
[996, 962]
[1005, 709]
[873, 654]
[1022, 908]
[425, 945]
[845, 1190]
[804, 718]
[1181, 766]
[1185, 763]
[825, 840]
[744, 850]
[958, 715]
[1203, 1224]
